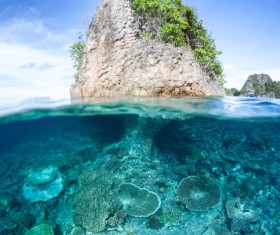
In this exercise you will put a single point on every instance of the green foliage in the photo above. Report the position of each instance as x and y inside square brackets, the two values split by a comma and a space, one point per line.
[232, 91]
[273, 86]
[148, 35]
[77, 52]
[173, 22]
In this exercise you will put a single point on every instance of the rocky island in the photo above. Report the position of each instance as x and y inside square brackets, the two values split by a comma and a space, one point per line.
[128, 55]
[258, 85]
[261, 85]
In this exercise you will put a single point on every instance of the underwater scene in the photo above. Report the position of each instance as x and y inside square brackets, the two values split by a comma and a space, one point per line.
[194, 166]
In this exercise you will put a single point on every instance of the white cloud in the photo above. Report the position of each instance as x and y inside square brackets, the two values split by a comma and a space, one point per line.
[33, 65]
[34, 59]
[46, 66]
[30, 65]
[35, 32]
[38, 79]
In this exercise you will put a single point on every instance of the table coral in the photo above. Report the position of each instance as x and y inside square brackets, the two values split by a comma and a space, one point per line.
[138, 202]
[42, 184]
[198, 193]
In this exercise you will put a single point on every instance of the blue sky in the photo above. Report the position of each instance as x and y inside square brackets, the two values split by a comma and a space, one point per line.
[248, 34]
[35, 38]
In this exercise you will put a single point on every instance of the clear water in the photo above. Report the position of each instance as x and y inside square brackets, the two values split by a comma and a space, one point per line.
[141, 166]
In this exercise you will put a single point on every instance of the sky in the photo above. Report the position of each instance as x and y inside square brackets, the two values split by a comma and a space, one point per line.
[34, 46]
[35, 38]
[248, 34]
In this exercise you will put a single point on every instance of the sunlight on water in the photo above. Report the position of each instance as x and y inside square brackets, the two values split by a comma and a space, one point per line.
[140, 166]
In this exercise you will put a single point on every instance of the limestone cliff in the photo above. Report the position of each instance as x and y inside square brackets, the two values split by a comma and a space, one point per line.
[260, 85]
[117, 62]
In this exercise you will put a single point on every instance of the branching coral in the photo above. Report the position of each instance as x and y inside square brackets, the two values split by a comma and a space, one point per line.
[94, 203]
[198, 193]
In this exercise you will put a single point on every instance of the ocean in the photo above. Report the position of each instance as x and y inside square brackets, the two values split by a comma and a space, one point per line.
[141, 166]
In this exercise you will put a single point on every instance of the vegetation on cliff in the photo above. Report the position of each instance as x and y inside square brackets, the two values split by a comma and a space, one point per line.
[274, 87]
[171, 21]
[77, 52]
[232, 92]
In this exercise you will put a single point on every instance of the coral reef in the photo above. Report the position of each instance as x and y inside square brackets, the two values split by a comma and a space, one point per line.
[42, 175]
[14, 220]
[77, 231]
[42, 184]
[154, 222]
[6, 202]
[198, 193]
[43, 229]
[94, 203]
[241, 214]
[217, 230]
[62, 215]
[239, 159]
[138, 202]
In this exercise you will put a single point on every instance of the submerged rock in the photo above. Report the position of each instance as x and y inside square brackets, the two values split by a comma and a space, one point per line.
[117, 62]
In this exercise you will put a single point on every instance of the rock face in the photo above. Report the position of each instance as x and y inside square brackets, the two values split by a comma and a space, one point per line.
[117, 62]
[258, 85]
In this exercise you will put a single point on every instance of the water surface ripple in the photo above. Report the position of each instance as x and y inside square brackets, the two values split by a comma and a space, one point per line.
[242, 108]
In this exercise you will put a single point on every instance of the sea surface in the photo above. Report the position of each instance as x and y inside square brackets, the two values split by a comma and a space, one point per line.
[140, 166]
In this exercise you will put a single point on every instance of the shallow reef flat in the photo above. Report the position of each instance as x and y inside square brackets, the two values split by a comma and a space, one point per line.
[127, 174]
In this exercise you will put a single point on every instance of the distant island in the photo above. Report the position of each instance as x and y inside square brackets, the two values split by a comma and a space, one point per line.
[257, 85]
[147, 48]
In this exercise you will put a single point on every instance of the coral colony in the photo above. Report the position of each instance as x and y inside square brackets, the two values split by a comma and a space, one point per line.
[142, 175]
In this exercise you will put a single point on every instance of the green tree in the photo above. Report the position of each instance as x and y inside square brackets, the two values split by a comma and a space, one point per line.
[77, 52]
[232, 91]
[171, 21]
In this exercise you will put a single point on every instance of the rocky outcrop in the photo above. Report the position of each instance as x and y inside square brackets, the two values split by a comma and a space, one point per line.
[260, 85]
[117, 62]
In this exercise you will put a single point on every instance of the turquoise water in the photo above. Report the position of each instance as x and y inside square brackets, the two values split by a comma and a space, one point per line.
[141, 166]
